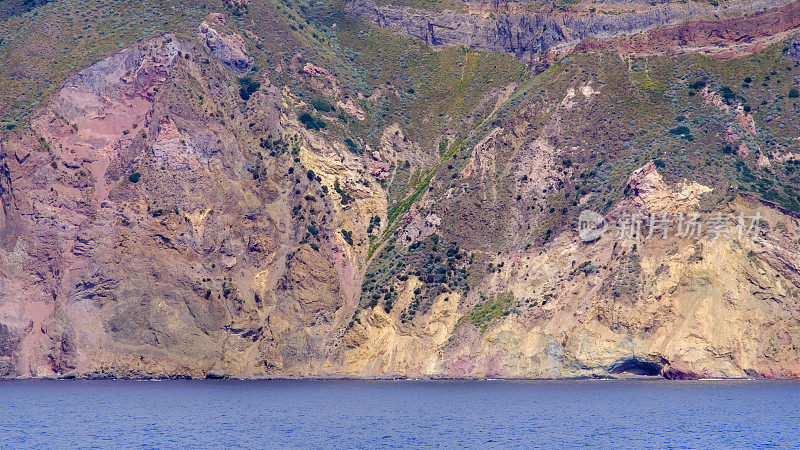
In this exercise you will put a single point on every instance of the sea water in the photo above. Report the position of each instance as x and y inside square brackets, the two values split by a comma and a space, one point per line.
[379, 414]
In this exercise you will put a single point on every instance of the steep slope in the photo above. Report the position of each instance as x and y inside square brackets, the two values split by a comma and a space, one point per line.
[260, 189]
[176, 235]
[541, 35]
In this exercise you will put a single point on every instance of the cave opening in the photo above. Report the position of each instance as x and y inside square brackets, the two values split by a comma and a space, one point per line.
[636, 366]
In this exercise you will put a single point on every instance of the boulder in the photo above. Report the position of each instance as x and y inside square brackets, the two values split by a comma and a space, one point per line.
[229, 49]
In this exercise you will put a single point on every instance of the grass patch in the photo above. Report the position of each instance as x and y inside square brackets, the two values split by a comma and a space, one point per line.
[490, 310]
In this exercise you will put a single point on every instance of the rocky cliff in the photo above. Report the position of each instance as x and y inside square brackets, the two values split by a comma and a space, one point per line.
[221, 201]
[539, 37]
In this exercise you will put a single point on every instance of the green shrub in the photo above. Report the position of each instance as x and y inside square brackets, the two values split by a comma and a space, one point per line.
[348, 236]
[374, 222]
[794, 93]
[727, 93]
[388, 302]
[697, 85]
[247, 88]
[352, 146]
[346, 198]
[443, 146]
[679, 130]
[311, 122]
[134, 177]
[322, 106]
[682, 131]
[485, 313]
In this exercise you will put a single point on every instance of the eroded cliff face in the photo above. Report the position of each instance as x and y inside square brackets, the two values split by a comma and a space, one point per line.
[143, 237]
[541, 36]
[171, 211]
[625, 304]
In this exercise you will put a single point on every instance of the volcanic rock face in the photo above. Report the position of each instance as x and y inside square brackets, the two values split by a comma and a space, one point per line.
[154, 222]
[652, 195]
[122, 207]
[61, 186]
[230, 49]
[94, 114]
[538, 37]
[528, 36]
[794, 50]
[724, 38]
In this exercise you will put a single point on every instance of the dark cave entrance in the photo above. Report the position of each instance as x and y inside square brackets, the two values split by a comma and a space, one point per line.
[636, 366]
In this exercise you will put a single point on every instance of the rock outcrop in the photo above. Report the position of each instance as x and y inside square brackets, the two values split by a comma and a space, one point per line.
[174, 211]
[794, 50]
[229, 49]
[139, 239]
[721, 38]
[539, 38]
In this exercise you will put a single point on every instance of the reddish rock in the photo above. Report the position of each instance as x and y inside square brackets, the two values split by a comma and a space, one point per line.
[216, 17]
[721, 38]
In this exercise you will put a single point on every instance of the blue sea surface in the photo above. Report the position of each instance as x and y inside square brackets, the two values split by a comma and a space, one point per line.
[370, 414]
